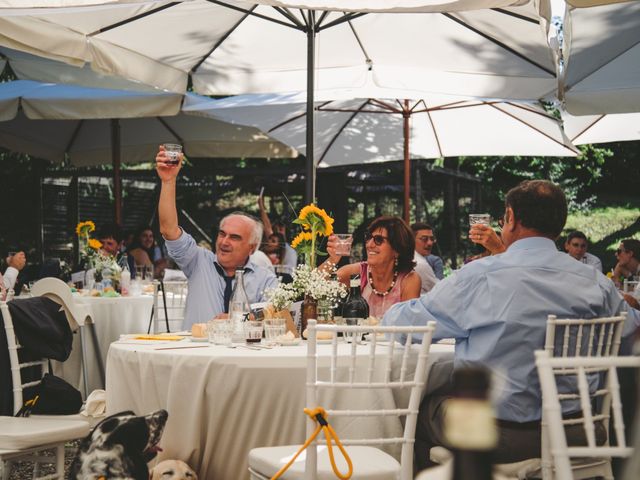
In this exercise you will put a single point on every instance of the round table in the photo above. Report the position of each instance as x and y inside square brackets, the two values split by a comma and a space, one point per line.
[222, 402]
[111, 317]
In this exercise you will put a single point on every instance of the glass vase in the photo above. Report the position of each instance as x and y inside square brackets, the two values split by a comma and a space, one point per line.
[324, 311]
[308, 310]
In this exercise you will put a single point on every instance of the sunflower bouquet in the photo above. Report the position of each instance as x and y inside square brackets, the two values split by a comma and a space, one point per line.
[315, 222]
[308, 282]
[105, 265]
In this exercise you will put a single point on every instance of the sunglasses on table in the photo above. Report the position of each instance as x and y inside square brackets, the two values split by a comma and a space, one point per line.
[377, 239]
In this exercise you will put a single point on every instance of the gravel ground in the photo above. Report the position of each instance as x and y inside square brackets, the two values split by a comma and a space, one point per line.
[24, 470]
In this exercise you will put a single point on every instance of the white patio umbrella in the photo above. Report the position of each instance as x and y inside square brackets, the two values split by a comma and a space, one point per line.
[585, 129]
[94, 126]
[354, 131]
[602, 58]
[232, 47]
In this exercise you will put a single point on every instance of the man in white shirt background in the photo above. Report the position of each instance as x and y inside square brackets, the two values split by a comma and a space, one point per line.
[576, 246]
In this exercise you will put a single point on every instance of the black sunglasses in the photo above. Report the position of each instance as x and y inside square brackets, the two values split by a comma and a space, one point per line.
[619, 251]
[377, 239]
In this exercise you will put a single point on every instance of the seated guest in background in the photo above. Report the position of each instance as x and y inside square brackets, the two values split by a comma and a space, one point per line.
[15, 263]
[275, 248]
[423, 234]
[496, 308]
[576, 246]
[290, 258]
[387, 276]
[211, 275]
[145, 251]
[109, 236]
[628, 256]
[425, 240]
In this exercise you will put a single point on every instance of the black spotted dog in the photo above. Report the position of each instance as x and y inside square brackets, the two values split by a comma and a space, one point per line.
[119, 447]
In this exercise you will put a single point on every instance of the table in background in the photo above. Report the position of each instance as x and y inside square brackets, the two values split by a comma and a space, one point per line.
[222, 402]
[112, 316]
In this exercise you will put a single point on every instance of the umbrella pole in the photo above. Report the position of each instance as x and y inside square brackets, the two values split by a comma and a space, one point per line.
[117, 183]
[407, 165]
[310, 184]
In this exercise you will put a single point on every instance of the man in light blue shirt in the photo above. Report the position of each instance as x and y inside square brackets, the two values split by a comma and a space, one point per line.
[211, 275]
[496, 308]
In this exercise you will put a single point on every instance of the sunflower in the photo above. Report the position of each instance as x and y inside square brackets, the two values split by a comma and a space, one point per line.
[314, 218]
[95, 244]
[83, 228]
[301, 237]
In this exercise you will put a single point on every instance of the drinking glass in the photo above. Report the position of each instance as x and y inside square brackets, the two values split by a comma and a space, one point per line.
[481, 218]
[343, 245]
[172, 151]
[144, 273]
[135, 289]
[220, 331]
[351, 337]
[274, 328]
[253, 331]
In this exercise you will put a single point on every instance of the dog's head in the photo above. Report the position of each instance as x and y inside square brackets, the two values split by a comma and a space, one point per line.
[120, 447]
[172, 470]
[136, 434]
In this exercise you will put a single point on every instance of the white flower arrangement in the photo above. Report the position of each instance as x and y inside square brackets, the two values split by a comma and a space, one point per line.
[306, 282]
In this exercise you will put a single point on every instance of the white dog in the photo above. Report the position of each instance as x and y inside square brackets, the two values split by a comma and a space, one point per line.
[172, 470]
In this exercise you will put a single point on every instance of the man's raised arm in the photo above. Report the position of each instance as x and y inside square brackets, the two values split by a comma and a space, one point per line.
[167, 212]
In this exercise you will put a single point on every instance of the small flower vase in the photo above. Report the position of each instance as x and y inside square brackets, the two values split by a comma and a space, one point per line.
[324, 311]
[308, 311]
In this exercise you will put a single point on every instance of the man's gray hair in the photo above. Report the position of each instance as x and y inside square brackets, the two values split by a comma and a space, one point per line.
[256, 226]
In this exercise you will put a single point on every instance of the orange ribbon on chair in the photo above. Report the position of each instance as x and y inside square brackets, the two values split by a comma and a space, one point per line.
[319, 415]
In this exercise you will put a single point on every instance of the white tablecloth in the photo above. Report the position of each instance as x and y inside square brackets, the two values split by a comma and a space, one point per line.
[222, 402]
[111, 317]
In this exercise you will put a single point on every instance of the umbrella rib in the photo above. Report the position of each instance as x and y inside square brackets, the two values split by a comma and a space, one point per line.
[588, 127]
[340, 130]
[287, 14]
[499, 43]
[74, 135]
[530, 126]
[219, 42]
[435, 133]
[133, 19]
[251, 12]
[171, 130]
[346, 18]
[519, 16]
[367, 58]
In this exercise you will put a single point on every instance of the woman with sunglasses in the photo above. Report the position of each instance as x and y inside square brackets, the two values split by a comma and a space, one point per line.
[387, 276]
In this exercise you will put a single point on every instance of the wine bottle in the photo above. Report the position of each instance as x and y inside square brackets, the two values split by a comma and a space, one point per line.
[470, 426]
[355, 309]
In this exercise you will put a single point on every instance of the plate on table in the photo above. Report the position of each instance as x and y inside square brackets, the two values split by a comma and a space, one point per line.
[199, 339]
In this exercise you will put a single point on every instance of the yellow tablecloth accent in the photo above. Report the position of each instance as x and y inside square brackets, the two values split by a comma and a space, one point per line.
[158, 337]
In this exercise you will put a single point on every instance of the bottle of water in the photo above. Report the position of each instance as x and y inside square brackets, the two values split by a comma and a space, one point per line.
[125, 277]
[239, 306]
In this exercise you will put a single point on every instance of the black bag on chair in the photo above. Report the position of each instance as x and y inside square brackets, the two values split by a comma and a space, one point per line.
[53, 396]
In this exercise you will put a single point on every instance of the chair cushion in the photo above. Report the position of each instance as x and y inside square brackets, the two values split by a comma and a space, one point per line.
[368, 462]
[22, 433]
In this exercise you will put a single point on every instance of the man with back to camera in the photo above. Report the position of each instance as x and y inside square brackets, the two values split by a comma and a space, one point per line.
[576, 246]
[210, 275]
[496, 308]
